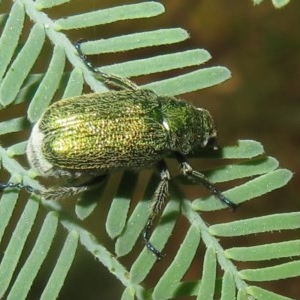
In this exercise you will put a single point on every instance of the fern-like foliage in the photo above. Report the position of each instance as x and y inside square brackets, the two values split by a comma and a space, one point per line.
[26, 31]
[276, 3]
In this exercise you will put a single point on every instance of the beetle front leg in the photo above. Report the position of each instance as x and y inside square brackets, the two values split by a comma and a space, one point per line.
[198, 177]
[158, 200]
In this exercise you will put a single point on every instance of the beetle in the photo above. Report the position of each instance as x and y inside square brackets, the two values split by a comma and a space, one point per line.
[86, 138]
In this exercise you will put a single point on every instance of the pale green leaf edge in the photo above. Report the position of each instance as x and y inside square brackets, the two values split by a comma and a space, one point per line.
[276, 3]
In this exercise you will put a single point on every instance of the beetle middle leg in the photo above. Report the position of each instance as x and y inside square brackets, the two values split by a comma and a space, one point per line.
[107, 78]
[158, 200]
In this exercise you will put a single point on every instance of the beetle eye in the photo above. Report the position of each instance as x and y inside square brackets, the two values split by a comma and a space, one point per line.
[212, 144]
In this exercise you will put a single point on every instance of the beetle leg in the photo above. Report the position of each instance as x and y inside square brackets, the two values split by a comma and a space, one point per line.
[57, 192]
[61, 192]
[52, 193]
[20, 186]
[198, 177]
[109, 79]
[158, 200]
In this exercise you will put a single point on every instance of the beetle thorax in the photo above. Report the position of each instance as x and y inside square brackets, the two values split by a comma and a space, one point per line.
[189, 128]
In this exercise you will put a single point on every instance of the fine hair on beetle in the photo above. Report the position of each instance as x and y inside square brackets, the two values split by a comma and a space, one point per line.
[84, 139]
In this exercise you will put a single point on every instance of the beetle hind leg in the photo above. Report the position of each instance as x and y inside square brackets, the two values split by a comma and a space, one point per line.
[57, 193]
[61, 192]
[112, 80]
[20, 186]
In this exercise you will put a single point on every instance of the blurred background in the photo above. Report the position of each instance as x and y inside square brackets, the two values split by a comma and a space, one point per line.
[260, 45]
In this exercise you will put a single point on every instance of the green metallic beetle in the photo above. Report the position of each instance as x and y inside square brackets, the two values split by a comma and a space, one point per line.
[84, 139]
